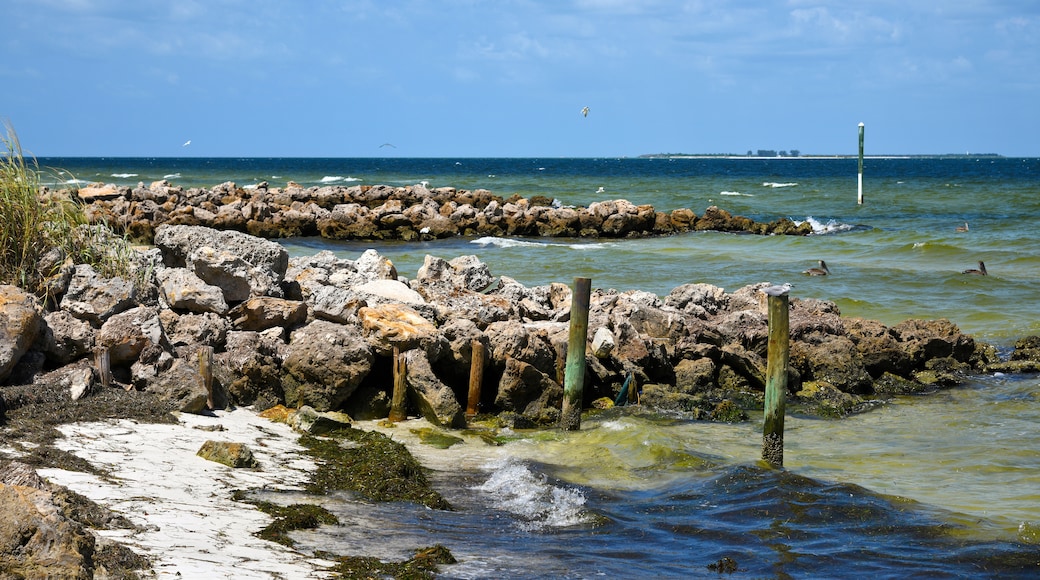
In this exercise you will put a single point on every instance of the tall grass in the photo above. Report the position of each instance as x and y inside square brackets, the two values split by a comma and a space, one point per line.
[35, 226]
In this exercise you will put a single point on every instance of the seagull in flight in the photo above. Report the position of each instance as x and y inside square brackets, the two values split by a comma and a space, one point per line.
[585, 112]
[388, 145]
[186, 143]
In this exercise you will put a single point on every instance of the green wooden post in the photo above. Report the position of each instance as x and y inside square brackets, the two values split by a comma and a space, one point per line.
[859, 197]
[776, 381]
[574, 372]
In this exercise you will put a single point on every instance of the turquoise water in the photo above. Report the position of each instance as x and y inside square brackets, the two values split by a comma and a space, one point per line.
[944, 485]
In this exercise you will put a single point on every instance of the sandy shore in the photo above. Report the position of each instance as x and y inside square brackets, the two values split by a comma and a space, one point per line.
[188, 524]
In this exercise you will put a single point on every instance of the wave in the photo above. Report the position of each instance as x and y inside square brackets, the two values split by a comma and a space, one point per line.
[736, 193]
[775, 184]
[830, 227]
[124, 175]
[517, 243]
[337, 179]
[539, 503]
[172, 176]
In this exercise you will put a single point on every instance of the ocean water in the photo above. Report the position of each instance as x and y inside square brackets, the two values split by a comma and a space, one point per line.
[943, 485]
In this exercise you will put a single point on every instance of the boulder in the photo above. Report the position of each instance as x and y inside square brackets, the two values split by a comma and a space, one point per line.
[126, 334]
[435, 400]
[236, 278]
[263, 312]
[177, 382]
[37, 540]
[249, 370]
[182, 289]
[324, 364]
[525, 390]
[390, 326]
[178, 243]
[65, 338]
[21, 323]
[95, 299]
[234, 455]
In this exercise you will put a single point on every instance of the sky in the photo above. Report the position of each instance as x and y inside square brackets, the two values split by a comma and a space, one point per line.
[509, 78]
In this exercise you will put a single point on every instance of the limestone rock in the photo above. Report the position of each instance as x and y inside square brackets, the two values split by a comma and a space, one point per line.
[21, 322]
[184, 290]
[95, 299]
[263, 312]
[234, 455]
[126, 334]
[435, 400]
[387, 326]
[324, 364]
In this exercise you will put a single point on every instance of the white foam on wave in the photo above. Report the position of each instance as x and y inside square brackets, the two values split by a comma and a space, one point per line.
[830, 227]
[516, 243]
[124, 175]
[172, 176]
[775, 184]
[736, 193]
[337, 179]
[541, 505]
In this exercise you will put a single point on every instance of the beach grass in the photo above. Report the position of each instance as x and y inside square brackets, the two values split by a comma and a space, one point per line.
[41, 231]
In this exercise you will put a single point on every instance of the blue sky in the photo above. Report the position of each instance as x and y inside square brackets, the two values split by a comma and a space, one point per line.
[508, 78]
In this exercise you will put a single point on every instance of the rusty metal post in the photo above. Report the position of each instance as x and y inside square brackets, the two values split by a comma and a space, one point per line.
[476, 377]
[776, 381]
[397, 400]
[574, 372]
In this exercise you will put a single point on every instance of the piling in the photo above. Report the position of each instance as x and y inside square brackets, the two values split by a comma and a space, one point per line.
[776, 382]
[397, 400]
[103, 362]
[859, 197]
[574, 372]
[476, 377]
[206, 370]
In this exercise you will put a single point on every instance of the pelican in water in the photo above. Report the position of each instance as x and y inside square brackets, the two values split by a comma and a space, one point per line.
[980, 271]
[821, 271]
[585, 112]
[963, 228]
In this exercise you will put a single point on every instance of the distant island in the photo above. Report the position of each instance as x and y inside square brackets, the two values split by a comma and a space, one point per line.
[773, 154]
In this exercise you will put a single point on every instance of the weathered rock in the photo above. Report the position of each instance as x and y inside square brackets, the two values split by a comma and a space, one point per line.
[602, 342]
[21, 322]
[95, 299]
[126, 334]
[193, 330]
[65, 337]
[236, 278]
[335, 304]
[389, 326]
[37, 541]
[463, 272]
[184, 290]
[178, 382]
[435, 400]
[250, 368]
[263, 312]
[526, 390]
[324, 363]
[307, 420]
[234, 455]
[926, 339]
[178, 243]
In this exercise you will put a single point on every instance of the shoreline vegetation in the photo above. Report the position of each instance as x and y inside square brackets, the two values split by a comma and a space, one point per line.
[320, 335]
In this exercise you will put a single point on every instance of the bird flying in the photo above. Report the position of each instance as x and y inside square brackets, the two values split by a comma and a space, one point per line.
[585, 112]
[186, 143]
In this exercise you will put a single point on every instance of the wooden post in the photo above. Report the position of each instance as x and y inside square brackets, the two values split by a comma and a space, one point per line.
[776, 381]
[103, 362]
[397, 400]
[476, 377]
[574, 372]
[206, 370]
[859, 197]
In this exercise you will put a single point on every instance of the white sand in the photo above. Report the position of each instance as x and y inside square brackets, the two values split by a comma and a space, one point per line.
[191, 526]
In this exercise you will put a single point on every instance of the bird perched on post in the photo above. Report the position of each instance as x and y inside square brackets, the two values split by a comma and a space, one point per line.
[778, 290]
[980, 271]
[823, 270]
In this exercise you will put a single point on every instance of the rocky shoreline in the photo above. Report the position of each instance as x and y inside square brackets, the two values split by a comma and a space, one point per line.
[321, 333]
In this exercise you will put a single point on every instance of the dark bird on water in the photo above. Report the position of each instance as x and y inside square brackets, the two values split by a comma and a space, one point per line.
[823, 270]
[981, 271]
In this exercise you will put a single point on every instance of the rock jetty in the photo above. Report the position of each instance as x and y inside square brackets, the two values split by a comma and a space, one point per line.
[321, 331]
[381, 212]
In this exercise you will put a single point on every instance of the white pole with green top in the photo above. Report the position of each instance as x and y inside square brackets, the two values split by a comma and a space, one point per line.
[859, 198]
